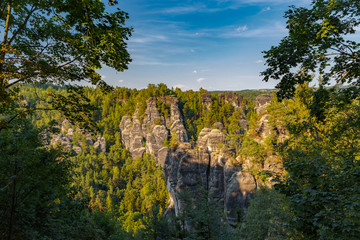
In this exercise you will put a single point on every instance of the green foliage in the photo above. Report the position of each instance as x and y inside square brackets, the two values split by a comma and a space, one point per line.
[58, 42]
[318, 42]
[322, 163]
[202, 216]
[268, 217]
[254, 150]
[113, 191]
[163, 109]
[32, 181]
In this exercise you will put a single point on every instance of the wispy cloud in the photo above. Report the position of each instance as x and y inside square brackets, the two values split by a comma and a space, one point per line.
[121, 80]
[184, 9]
[259, 61]
[241, 28]
[266, 9]
[195, 72]
[149, 38]
[179, 86]
[276, 29]
[199, 80]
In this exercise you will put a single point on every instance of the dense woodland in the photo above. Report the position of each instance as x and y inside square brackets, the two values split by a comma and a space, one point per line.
[108, 189]
[49, 192]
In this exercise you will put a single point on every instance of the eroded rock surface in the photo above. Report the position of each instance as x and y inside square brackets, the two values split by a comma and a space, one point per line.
[209, 166]
[66, 139]
[261, 102]
[150, 134]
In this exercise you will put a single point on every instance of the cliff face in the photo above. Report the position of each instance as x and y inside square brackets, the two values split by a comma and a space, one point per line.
[210, 164]
[150, 134]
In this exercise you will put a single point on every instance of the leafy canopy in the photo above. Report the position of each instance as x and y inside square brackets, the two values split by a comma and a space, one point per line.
[319, 42]
[59, 42]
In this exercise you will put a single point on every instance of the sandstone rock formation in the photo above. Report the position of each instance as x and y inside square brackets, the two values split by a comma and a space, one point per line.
[149, 136]
[209, 165]
[261, 101]
[66, 139]
[234, 99]
[206, 100]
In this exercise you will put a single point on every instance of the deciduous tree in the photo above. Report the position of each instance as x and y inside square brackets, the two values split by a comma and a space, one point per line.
[320, 42]
[59, 42]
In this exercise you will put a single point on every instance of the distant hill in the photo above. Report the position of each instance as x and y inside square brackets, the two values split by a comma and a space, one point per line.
[250, 94]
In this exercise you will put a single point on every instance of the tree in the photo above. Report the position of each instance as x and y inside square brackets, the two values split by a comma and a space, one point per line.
[200, 217]
[321, 159]
[319, 41]
[268, 217]
[33, 183]
[59, 42]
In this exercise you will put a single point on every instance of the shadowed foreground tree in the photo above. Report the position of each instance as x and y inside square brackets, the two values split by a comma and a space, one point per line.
[32, 181]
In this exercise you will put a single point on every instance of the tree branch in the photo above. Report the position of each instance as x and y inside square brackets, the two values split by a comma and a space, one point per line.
[69, 62]
[344, 53]
[4, 126]
[24, 23]
[13, 83]
[7, 23]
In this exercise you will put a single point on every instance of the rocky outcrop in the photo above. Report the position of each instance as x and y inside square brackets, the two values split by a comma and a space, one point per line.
[264, 130]
[234, 99]
[150, 134]
[243, 123]
[206, 100]
[209, 166]
[66, 138]
[261, 101]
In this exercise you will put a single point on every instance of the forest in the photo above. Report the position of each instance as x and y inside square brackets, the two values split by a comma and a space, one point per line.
[105, 162]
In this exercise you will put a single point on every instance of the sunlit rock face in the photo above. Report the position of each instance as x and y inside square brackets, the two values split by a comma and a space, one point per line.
[210, 164]
[148, 134]
[67, 140]
[261, 102]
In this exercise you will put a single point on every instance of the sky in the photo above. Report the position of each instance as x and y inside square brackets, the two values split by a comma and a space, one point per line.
[214, 44]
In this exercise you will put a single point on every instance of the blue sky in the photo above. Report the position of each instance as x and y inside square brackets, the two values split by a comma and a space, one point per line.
[213, 44]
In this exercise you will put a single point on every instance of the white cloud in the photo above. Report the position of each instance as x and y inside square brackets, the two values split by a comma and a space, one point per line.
[266, 9]
[121, 81]
[185, 9]
[199, 80]
[103, 77]
[195, 72]
[242, 29]
[149, 38]
[258, 61]
[274, 29]
[179, 86]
